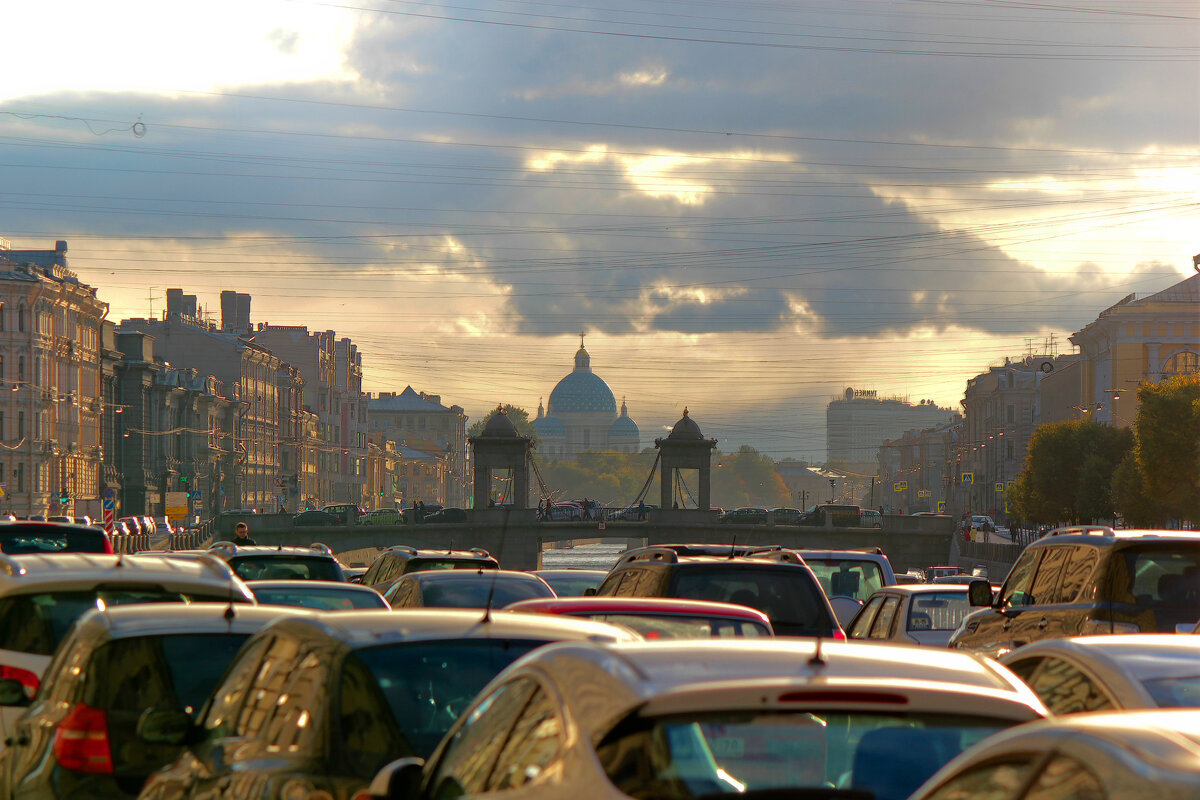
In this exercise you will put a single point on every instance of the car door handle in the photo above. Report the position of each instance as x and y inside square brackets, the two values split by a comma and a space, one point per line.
[1042, 625]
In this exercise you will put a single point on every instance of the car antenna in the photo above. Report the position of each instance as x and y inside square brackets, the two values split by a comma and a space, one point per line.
[487, 607]
[229, 611]
[733, 547]
[817, 661]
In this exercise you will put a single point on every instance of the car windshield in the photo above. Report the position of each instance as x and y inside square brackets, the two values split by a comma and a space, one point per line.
[176, 671]
[281, 567]
[847, 577]
[686, 756]
[15, 540]
[323, 598]
[1180, 692]
[433, 562]
[573, 585]
[36, 623]
[429, 684]
[937, 611]
[786, 594]
[651, 626]
[476, 593]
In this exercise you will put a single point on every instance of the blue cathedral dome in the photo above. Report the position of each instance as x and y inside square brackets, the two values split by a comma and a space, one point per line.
[582, 391]
[624, 427]
[549, 427]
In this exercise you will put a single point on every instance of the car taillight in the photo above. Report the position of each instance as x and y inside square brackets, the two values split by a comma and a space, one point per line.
[81, 741]
[108, 548]
[843, 696]
[27, 679]
[839, 635]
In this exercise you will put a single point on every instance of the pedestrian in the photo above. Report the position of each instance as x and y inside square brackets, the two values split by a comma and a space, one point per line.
[641, 510]
[241, 535]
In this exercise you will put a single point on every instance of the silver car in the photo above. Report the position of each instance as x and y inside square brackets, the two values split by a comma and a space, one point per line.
[1112, 756]
[923, 613]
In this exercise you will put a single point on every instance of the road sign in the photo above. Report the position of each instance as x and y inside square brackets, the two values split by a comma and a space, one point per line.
[941, 507]
[924, 493]
[968, 478]
[109, 503]
[107, 493]
[999, 486]
[176, 505]
[901, 486]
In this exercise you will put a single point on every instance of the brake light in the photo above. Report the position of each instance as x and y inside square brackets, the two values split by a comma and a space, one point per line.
[839, 635]
[108, 547]
[81, 741]
[843, 696]
[29, 680]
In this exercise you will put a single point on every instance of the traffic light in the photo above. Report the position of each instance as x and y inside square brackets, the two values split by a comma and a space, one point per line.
[183, 479]
[63, 497]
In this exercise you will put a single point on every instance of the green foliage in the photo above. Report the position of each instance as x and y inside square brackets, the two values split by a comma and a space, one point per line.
[1068, 474]
[1130, 497]
[518, 415]
[1168, 445]
[747, 478]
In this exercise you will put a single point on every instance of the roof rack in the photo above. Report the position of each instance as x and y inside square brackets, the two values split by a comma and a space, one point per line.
[479, 551]
[664, 554]
[10, 565]
[779, 557]
[1091, 530]
[321, 547]
[222, 546]
[404, 548]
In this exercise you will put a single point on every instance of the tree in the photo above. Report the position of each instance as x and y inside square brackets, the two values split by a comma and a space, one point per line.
[1130, 497]
[1168, 444]
[747, 478]
[518, 416]
[1068, 474]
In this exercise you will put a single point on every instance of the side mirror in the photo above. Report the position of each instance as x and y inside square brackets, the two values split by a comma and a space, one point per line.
[979, 593]
[589, 591]
[399, 780]
[12, 693]
[164, 726]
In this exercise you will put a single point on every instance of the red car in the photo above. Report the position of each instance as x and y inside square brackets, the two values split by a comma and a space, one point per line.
[658, 617]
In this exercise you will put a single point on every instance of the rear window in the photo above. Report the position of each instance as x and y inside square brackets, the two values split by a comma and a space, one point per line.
[323, 599]
[23, 539]
[36, 623]
[176, 671]
[250, 568]
[787, 595]
[846, 577]
[937, 611]
[474, 594]
[684, 627]
[422, 564]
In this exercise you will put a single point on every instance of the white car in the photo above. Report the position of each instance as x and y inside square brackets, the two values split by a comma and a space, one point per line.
[923, 613]
[42, 596]
[1109, 756]
[689, 719]
[1094, 673]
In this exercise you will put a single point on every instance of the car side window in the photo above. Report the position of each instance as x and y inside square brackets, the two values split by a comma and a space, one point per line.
[228, 697]
[629, 583]
[994, 780]
[1016, 590]
[300, 710]
[533, 745]
[610, 584]
[266, 686]
[883, 623]
[1064, 778]
[1025, 668]
[367, 733]
[468, 759]
[1067, 689]
[1045, 584]
[1076, 572]
[862, 625]
[401, 592]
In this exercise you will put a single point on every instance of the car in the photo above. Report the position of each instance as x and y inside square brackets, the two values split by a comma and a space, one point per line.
[345, 513]
[836, 514]
[22, 537]
[658, 617]
[313, 706]
[445, 515]
[320, 595]
[786, 516]
[260, 562]
[911, 576]
[774, 581]
[382, 516]
[78, 738]
[870, 518]
[942, 571]
[849, 577]
[1089, 580]
[402, 559]
[134, 524]
[770, 718]
[924, 614]
[564, 512]
[316, 518]
[572, 581]
[461, 588]
[1096, 673]
[41, 596]
[1128, 755]
[982, 522]
[747, 515]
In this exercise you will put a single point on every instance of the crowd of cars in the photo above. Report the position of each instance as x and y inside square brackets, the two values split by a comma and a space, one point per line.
[685, 671]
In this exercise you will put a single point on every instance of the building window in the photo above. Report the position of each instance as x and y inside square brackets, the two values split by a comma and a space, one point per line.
[21, 318]
[20, 477]
[1185, 363]
[21, 368]
[20, 424]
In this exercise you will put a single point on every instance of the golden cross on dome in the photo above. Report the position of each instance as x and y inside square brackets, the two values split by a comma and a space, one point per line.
[581, 335]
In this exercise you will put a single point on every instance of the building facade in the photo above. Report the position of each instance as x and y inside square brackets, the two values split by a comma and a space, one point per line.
[582, 416]
[420, 422]
[1137, 341]
[50, 367]
[858, 422]
[917, 470]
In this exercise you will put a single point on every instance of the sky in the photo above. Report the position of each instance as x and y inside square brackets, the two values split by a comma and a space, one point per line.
[747, 206]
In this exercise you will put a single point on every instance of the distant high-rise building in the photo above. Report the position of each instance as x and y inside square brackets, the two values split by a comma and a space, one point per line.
[860, 420]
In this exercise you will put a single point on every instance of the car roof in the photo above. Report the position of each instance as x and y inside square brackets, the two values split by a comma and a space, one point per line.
[310, 585]
[843, 555]
[634, 605]
[369, 628]
[1142, 655]
[18, 572]
[230, 549]
[1100, 534]
[924, 588]
[568, 572]
[156, 619]
[666, 675]
[408, 551]
[471, 575]
[35, 524]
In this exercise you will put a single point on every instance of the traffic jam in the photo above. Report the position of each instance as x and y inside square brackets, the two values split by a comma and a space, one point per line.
[246, 671]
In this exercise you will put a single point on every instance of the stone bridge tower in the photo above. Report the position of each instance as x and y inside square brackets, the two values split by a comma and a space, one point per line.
[501, 447]
[685, 448]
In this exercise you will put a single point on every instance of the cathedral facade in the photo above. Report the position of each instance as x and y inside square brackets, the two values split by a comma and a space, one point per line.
[582, 415]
